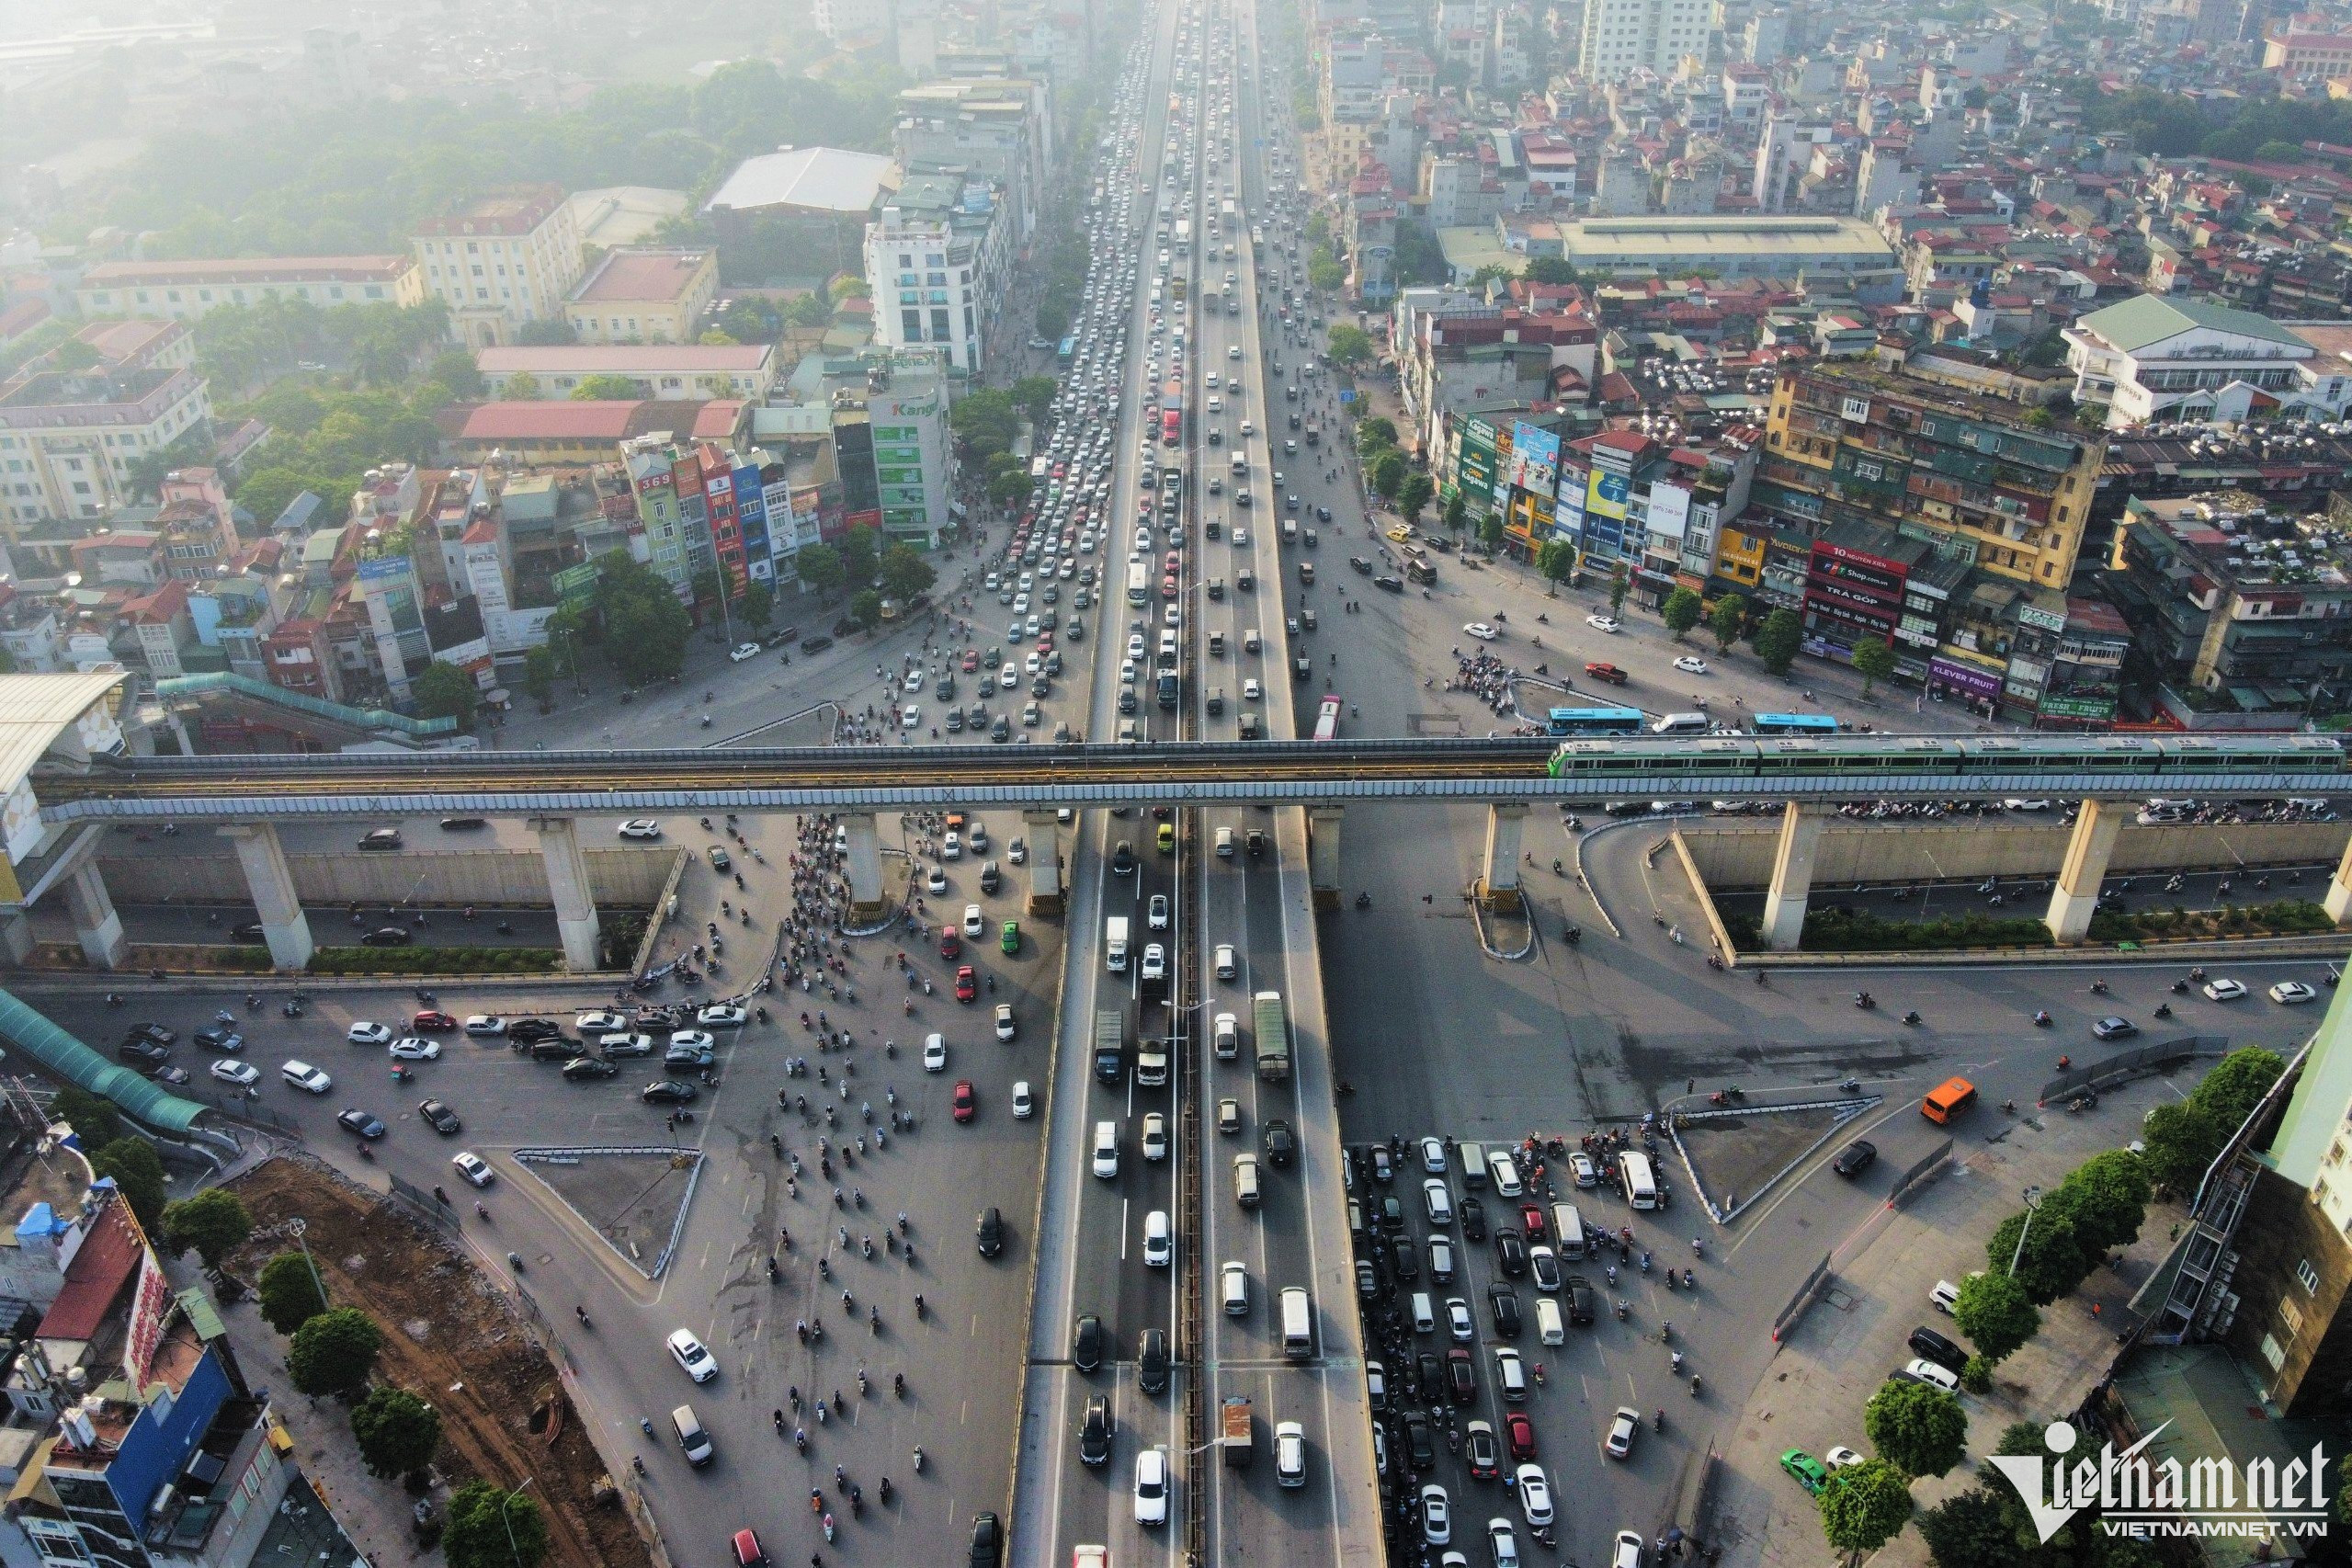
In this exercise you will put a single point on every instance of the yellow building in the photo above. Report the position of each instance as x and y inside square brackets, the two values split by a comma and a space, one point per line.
[644, 295]
[501, 259]
[186, 290]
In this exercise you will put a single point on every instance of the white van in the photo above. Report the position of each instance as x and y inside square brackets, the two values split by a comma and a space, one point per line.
[1107, 1150]
[1641, 1186]
[1681, 724]
[1943, 1297]
[1505, 1171]
[1298, 1324]
[1425, 1315]
[303, 1075]
[1548, 1326]
[691, 1437]
[1568, 1230]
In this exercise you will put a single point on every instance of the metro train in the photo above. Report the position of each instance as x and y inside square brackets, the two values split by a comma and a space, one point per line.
[2317, 763]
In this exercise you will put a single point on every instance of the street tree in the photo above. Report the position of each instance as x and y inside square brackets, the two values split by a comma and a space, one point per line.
[1619, 584]
[2052, 1262]
[1728, 620]
[1994, 1314]
[1874, 661]
[759, 605]
[290, 1292]
[1348, 344]
[646, 627]
[1388, 475]
[1864, 1505]
[397, 1432]
[539, 676]
[985, 421]
[1490, 530]
[335, 1353]
[1034, 395]
[445, 691]
[488, 1527]
[1556, 558]
[2107, 1195]
[215, 1222]
[904, 573]
[859, 551]
[820, 566]
[1977, 1529]
[1374, 436]
[1457, 512]
[1920, 1428]
[1413, 496]
[1778, 640]
[866, 608]
[132, 1165]
[1681, 612]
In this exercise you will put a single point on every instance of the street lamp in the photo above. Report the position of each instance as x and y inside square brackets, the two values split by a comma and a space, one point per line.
[511, 1550]
[2025, 1230]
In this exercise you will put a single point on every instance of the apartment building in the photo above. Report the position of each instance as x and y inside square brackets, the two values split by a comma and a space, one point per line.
[644, 294]
[68, 439]
[938, 258]
[1966, 473]
[501, 260]
[1620, 37]
[2154, 358]
[661, 372]
[1473, 361]
[188, 290]
[992, 129]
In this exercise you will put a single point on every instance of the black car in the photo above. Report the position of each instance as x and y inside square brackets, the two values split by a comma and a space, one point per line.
[1462, 1376]
[143, 1054]
[1392, 1213]
[386, 936]
[588, 1069]
[668, 1091]
[251, 931]
[1417, 1447]
[1429, 1376]
[1279, 1145]
[1086, 1343]
[154, 1034]
[991, 1232]
[1510, 1252]
[1855, 1158]
[175, 1076]
[1504, 1302]
[1406, 1267]
[1122, 859]
[1384, 1168]
[381, 840]
[1938, 1348]
[987, 1540]
[1473, 1219]
[1579, 1291]
[228, 1043]
[360, 1122]
[1152, 1360]
[439, 1117]
[816, 644]
[463, 824]
[1388, 583]
[523, 1032]
[1094, 1431]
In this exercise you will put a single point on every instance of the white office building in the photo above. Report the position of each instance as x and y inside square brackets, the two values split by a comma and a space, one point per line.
[1624, 36]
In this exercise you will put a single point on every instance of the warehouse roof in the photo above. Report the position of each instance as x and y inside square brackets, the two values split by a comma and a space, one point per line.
[819, 179]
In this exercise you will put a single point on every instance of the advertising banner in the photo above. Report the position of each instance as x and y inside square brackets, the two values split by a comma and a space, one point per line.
[1535, 458]
[1964, 678]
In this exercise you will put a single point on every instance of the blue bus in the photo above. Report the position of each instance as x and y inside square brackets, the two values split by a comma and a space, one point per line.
[1794, 725]
[1068, 349]
[1593, 721]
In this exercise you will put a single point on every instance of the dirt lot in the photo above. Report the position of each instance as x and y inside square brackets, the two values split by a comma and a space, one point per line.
[444, 1326]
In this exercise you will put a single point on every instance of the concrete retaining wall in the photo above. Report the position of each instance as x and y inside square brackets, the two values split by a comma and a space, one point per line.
[1731, 857]
[631, 878]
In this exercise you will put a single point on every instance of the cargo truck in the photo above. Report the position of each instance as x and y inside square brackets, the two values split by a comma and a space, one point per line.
[1273, 1035]
[1111, 1053]
[1235, 1437]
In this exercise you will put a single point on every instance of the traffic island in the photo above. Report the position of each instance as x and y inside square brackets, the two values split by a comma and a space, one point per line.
[1738, 1152]
[635, 1197]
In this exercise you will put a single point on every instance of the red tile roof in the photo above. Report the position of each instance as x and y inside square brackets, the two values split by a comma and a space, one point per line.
[110, 1255]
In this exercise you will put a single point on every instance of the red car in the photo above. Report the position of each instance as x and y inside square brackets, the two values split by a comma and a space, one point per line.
[970, 660]
[1533, 1218]
[967, 983]
[432, 1023]
[964, 1103]
[950, 942]
[1519, 1436]
[749, 1553]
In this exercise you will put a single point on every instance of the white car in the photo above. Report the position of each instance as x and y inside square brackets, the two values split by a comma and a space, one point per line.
[365, 1033]
[2225, 990]
[472, 1166]
[1436, 1516]
[742, 651]
[1432, 1155]
[240, 1073]
[1155, 1136]
[1691, 664]
[1151, 1487]
[599, 1022]
[1838, 1457]
[935, 1054]
[914, 683]
[1156, 962]
[1290, 1453]
[1535, 1494]
[1157, 1247]
[1155, 913]
[409, 1048]
[973, 922]
[489, 1025]
[951, 846]
[1622, 1431]
[692, 1039]
[688, 1353]
[641, 828]
[1501, 1543]
[936, 882]
[1935, 1374]
[1023, 1106]
[1481, 630]
[303, 1075]
[1580, 1169]
[1602, 623]
[1004, 1027]
[1458, 1322]
[1251, 690]
[1626, 1552]
[2291, 992]
[1437, 1200]
[912, 718]
[720, 1016]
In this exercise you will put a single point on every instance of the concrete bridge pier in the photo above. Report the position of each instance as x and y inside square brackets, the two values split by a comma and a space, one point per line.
[95, 919]
[567, 885]
[1792, 876]
[1323, 853]
[1498, 883]
[1042, 832]
[283, 925]
[2075, 897]
[863, 867]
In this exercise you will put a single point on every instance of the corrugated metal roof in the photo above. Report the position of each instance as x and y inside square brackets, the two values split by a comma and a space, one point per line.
[36, 710]
[825, 179]
[68, 1058]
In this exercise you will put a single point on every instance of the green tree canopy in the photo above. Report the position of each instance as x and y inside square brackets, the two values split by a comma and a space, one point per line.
[1457, 512]
[1681, 612]
[131, 1164]
[1034, 395]
[2108, 1198]
[547, 332]
[1388, 475]
[489, 1527]
[94, 1118]
[2053, 1262]
[1413, 496]
[454, 369]
[759, 605]
[1980, 1529]
[1375, 435]
[445, 691]
[820, 566]
[1323, 271]
[1994, 1311]
[1490, 530]
[812, 308]
[1348, 344]
[1619, 584]
[521, 387]
[865, 608]
[1556, 558]
[860, 548]
[1551, 270]
[906, 573]
[1864, 1505]
[214, 1222]
[1920, 1428]
[1874, 661]
[645, 627]
[2184, 1136]
[608, 388]
[539, 675]
[985, 422]
[1728, 620]
[397, 1432]
[335, 1353]
[290, 1292]
[1778, 640]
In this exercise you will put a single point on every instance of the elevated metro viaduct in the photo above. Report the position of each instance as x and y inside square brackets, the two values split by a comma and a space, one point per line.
[245, 798]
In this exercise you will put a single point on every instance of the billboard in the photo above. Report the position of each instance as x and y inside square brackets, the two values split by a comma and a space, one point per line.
[1606, 494]
[576, 584]
[1535, 458]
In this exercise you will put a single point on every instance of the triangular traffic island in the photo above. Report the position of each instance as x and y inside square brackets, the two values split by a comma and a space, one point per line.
[633, 1196]
[1738, 1152]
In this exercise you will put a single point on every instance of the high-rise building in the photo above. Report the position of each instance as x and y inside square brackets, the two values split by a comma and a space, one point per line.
[501, 259]
[1624, 36]
[936, 258]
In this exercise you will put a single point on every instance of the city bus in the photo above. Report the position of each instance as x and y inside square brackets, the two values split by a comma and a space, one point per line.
[1593, 721]
[1793, 724]
[1327, 719]
[1138, 582]
[1067, 352]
